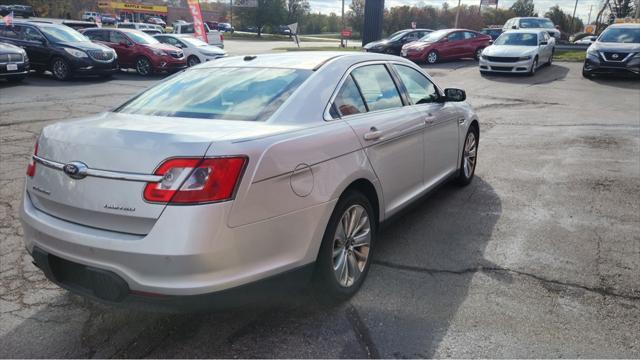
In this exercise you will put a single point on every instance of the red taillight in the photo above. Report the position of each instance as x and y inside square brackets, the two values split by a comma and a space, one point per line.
[221, 37]
[192, 180]
[31, 167]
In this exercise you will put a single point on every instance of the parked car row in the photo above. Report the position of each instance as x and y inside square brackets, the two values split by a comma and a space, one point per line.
[24, 11]
[65, 52]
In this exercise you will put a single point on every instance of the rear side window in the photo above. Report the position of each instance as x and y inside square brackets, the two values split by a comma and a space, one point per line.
[377, 87]
[11, 32]
[97, 35]
[348, 101]
[420, 89]
[227, 93]
[127, 26]
[469, 35]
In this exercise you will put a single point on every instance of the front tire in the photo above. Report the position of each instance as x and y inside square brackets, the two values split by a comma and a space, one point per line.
[432, 57]
[550, 58]
[60, 69]
[534, 67]
[345, 254]
[193, 61]
[469, 157]
[477, 54]
[143, 66]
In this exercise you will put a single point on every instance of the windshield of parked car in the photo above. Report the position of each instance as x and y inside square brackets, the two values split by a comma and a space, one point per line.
[620, 35]
[434, 36]
[397, 35]
[250, 94]
[141, 38]
[62, 33]
[518, 39]
[193, 41]
[536, 24]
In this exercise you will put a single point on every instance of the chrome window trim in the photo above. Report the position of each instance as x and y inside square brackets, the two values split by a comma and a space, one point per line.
[114, 175]
[327, 114]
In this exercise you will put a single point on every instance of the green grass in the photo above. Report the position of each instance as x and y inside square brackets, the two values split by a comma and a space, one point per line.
[319, 48]
[570, 56]
[269, 37]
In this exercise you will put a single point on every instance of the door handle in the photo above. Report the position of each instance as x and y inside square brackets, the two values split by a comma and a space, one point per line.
[373, 134]
[429, 120]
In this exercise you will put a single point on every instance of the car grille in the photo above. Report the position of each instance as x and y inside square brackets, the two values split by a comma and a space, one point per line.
[502, 59]
[6, 58]
[502, 68]
[176, 54]
[615, 56]
[101, 55]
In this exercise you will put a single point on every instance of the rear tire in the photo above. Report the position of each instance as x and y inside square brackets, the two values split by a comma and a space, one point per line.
[550, 58]
[345, 254]
[469, 158]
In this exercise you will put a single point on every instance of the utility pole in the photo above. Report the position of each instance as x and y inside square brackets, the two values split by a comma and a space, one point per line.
[638, 9]
[589, 21]
[458, 15]
[231, 13]
[342, 27]
[573, 17]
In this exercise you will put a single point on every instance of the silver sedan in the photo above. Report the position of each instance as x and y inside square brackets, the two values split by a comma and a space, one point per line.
[242, 169]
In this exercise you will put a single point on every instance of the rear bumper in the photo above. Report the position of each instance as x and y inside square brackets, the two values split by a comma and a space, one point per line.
[503, 67]
[189, 251]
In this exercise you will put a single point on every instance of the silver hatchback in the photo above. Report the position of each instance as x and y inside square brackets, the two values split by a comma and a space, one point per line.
[238, 170]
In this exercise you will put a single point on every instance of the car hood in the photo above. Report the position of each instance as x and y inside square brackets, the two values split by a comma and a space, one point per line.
[508, 50]
[162, 46]
[376, 43]
[83, 45]
[613, 47]
[9, 49]
[210, 49]
[418, 45]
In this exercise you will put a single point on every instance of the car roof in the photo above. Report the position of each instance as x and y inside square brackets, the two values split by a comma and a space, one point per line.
[531, 30]
[624, 25]
[304, 60]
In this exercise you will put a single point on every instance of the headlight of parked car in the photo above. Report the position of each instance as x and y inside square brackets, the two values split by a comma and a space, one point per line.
[528, 57]
[592, 53]
[636, 56]
[76, 53]
[158, 52]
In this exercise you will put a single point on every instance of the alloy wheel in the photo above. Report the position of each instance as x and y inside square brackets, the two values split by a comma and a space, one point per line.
[60, 69]
[469, 156]
[351, 245]
[534, 66]
[143, 67]
[478, 54]
[432, 57]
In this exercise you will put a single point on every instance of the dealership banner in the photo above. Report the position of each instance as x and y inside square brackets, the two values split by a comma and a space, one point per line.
[198, 23]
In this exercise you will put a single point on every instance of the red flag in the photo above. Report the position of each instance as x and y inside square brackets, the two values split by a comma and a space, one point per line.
[8, 20]
[198, 23]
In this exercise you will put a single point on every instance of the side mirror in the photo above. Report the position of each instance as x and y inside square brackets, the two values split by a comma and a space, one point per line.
[455, 95]
[543, 43]
[179, 46]
[124, 43]
[593, 40]
[514, 27]
[444, 39]
[491, 42]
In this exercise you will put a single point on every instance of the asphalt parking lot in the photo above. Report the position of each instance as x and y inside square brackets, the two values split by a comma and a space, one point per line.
[538, 257]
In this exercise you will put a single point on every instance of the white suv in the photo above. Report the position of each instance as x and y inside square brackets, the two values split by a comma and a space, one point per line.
[90, 16]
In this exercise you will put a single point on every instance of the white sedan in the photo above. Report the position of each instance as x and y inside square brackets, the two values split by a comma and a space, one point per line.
[518, 51]
[241, 169]
[196, 51]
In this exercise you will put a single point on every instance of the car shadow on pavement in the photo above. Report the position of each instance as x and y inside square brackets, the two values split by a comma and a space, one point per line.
[617, 81]
[46, 79]
[422, 269]
[544, 75]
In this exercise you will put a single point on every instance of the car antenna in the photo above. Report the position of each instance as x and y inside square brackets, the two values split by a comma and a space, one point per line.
[249, 57]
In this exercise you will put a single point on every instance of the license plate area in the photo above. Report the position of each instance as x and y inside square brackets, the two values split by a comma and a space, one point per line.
[12, 67]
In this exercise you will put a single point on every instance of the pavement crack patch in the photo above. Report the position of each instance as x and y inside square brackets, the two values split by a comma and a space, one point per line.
[604, 291]
[362, 332]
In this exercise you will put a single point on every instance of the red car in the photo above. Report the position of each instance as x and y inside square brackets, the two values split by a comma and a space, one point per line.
[446, 44]
[137, 50]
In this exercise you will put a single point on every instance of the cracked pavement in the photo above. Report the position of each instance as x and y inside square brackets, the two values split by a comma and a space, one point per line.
[538, 257]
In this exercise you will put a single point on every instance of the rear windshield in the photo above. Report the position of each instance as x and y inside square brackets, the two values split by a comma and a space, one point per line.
[250, 94]
[536, 24]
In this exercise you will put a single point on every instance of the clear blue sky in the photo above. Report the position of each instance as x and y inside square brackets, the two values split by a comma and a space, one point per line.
[327, 6]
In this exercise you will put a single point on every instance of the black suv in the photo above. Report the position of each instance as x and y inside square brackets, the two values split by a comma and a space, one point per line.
[24, 11]
[60, 49]
[14, 62]
[394, 43]
[616, 51]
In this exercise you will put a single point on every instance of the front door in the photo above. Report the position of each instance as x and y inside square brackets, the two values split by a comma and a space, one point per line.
[441, 131]
[391, 134]
[124, 47]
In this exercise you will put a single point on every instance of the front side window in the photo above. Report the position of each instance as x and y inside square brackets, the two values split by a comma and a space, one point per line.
[227, 93]
[455, 36]
[348, 101]
[31, 34]
[377, 87]
[421, 90]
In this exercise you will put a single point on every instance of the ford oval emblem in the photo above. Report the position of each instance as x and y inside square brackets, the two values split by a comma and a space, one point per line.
[75, 169]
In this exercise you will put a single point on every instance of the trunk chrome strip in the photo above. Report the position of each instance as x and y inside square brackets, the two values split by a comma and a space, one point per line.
[114, 175]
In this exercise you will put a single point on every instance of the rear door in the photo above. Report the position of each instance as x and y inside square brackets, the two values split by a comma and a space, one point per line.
[390, 133]
[441, 131]
[454, 46]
